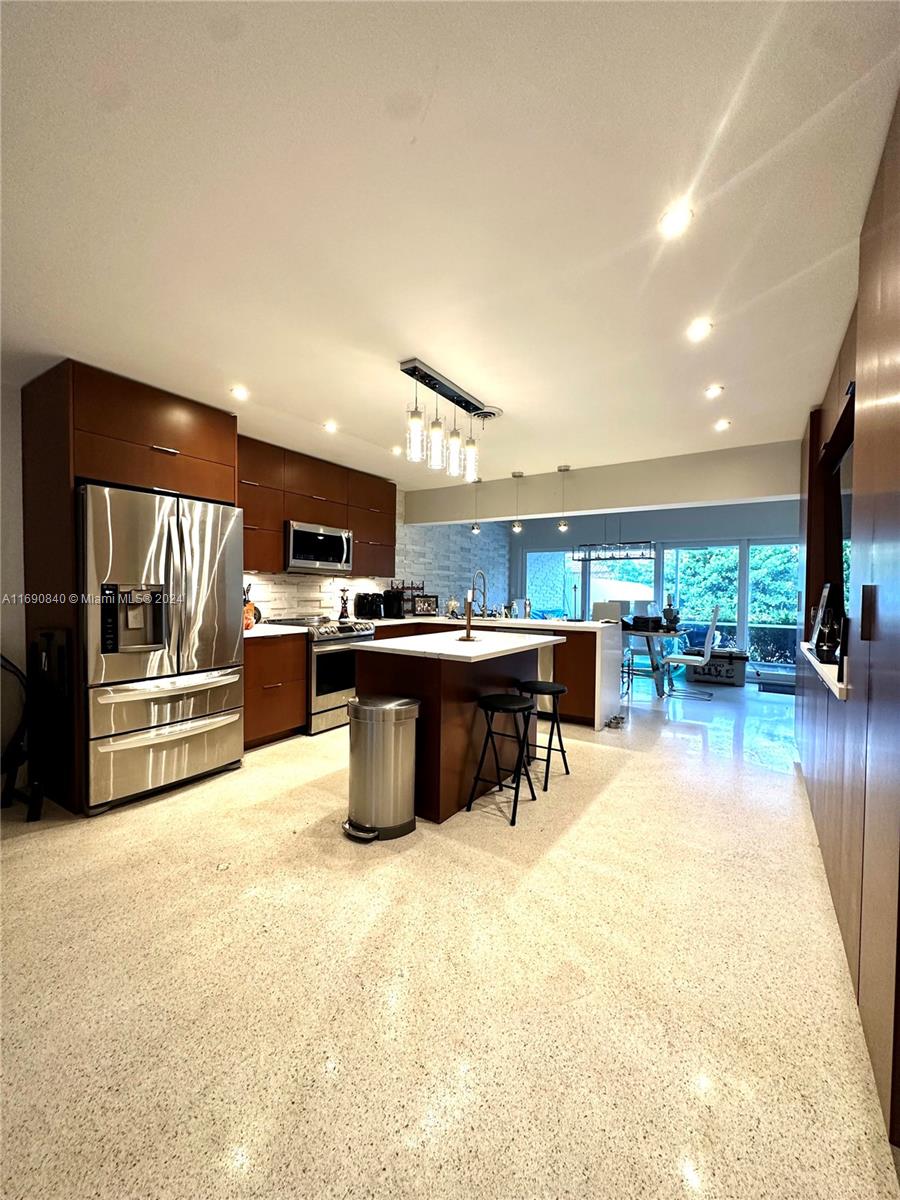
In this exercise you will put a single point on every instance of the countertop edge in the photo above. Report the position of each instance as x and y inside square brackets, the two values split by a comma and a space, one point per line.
[827, 672]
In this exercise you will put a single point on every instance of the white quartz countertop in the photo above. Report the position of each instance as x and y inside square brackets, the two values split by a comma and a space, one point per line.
[262, 630]
[448, 646]
[532, 625]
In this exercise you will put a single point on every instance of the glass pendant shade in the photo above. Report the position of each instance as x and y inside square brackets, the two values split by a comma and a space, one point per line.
[437, 445]
[517, 526]
[454, 454]
[476, 528]
[563, 525]
[415, 434]
[470, 458]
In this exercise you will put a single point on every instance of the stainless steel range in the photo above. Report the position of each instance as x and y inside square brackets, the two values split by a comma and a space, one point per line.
[331, 667]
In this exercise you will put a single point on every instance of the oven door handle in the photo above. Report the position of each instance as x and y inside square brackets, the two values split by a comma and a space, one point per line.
[333, 649]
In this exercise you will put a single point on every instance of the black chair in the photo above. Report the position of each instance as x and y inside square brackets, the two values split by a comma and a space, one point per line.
[541, 687]
[515, 706]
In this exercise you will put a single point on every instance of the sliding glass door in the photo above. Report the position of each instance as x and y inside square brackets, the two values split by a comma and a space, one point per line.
[753, 582]
[773, 569]
[698, 578]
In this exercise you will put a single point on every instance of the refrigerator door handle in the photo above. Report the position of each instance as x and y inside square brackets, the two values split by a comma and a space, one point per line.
[164, 689]
[174, 584]
[168, 733]
[187, 607]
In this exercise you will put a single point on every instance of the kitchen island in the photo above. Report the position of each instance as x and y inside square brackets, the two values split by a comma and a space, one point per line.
[447, 676]
[588, 661]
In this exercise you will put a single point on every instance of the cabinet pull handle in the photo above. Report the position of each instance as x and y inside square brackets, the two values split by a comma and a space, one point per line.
[320, 497]
[251, 527]
[250, 482]
[165, 449]
[266, 686]
[867, 613]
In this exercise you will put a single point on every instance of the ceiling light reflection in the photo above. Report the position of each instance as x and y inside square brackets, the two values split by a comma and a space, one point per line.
[676, 218]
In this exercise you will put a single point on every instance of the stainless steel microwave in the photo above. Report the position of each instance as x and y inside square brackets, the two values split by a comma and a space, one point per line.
[315, 549]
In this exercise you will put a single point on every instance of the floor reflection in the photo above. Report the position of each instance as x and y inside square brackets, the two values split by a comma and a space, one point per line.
[742, 724]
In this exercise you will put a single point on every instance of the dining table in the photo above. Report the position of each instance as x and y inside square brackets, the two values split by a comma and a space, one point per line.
[652, 638]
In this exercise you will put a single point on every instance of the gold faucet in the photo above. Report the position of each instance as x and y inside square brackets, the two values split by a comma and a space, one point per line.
[468, 636]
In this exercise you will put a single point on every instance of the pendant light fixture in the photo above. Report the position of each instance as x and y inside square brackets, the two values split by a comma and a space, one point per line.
[437, 443]
[415, 431]
[476, 528]
[562, 524]
[517, 524]
[470, 457]
[454, 451]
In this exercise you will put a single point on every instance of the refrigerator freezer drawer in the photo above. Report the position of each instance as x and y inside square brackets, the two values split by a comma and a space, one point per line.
[125, 707]
[132, 763]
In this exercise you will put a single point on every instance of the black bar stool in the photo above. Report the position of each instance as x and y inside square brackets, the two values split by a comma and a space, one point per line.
[541, 687]
[505, 702]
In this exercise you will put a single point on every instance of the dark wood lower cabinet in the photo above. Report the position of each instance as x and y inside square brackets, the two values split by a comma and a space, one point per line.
[274, 687]
[837, 816]
[450, 727]
[274, 710]
[575, 665]
[850, 751]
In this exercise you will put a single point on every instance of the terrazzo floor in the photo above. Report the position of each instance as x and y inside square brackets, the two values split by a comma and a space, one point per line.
[639, 992]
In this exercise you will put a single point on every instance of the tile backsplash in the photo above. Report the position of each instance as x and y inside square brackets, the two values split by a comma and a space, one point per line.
[444, 556]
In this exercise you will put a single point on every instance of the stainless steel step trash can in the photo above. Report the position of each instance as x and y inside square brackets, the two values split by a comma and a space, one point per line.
[382, 767]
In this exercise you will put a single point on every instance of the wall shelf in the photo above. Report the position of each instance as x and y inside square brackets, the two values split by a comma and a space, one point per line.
[826, 672]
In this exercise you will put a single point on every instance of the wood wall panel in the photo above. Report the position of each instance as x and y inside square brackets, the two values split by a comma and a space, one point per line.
[876, 464]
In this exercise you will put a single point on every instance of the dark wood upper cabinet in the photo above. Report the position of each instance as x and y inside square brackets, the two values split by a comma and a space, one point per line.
[314, 477]
[371, 561]
[263, 550]
[111, 460]
[315, 512]
[369, 491]
[260, 463]
[115, 407]
[261, 505]
[369, 526]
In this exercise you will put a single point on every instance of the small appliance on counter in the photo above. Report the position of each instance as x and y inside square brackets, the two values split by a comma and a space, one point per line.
[393, 603]
[369, 605]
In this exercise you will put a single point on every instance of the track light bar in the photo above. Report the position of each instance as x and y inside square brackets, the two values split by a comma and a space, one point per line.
[428, 377]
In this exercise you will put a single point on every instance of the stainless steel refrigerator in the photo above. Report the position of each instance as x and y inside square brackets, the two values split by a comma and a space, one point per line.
[163, 639]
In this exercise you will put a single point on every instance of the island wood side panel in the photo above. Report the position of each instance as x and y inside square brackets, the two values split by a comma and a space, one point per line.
[450, 727]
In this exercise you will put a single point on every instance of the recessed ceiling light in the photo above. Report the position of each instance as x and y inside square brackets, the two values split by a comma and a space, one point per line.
[721, 425]
[330, 426]
[676, 219]
[239, 392]
[396, 451]
[714, 391]
[699, 328]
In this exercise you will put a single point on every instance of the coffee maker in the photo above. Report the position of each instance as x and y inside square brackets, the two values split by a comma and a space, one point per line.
[393, 603]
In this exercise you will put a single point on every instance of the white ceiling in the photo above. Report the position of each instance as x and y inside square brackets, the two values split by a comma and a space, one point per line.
[298, 196]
